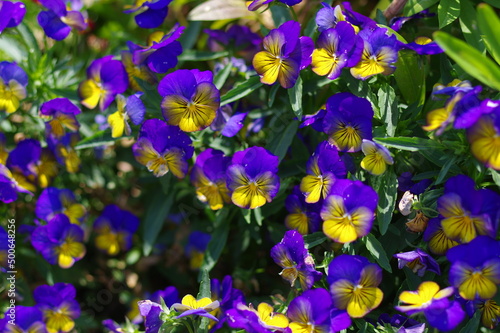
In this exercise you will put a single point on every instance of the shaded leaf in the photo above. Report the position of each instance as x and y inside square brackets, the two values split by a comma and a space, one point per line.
[101, 138]
[314, 239]
[472, 325]
[413, 7]
[194, 55]
[489, 23]
[377, 251]
[241, 90]
[448, 11]
[388, 108]
[386, 186]
[410, 143]
[217, 241]
[156, 214]
[295, 95]
[222, 76]
[281, 141]
[410, 77]
[469, 24]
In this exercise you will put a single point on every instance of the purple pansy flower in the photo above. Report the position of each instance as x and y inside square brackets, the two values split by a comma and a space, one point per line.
[137, 73]
[61, 112]
[53, 201]
[28, 319]
[353, 284]
[190, 306]
[58, 306]
[328, 17]
[151, 312]
[163, 148]
[436, 239]
[292, 255]
[227, 296]
[57, 21]
[475, 268]
[418, 261]
[324, 167]
[13, 82]
[302, 216]
[260, 320]
[12, 14]
[161, 53]
[208, 175]
[422, 46]
[237, 37]
[115, 228]
[252, 177]
[196, 247]
[190, 99]
[64, 150]
[105, 79]
[154, 14]
[9, 187]
[60, 242]
[131, 108]
[284, 55]
[228, 123]
[483, 136]
[23, 161]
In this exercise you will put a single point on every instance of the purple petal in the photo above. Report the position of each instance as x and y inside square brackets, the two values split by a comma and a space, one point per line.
[53, 26]
[151, 18]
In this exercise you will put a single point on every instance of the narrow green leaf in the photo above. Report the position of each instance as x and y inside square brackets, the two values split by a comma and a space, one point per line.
[386, 186]
[272, 95]
[204, 292]
[493, 3]
[30, 40]
[388, 106]
[489, 23]
[281, 141]
[241, 90]
[314, 239]
[193, 55]
[222, 76]
[295, 95]
[409, 144]
[190, 35]
[377, 251]
[258, 216]
[412, 279]
[496, 177]
[410, 77]
[280, 14]
[469, 24]
[217, 241]
[470, 59]
[413, 7]
[472, 325]
[448, 11]
[156, 214]
[247, 215]
[101, 138]
[450, 161]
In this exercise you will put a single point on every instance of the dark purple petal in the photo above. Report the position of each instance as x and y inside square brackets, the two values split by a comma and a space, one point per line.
[53, 26]
[151, 18]
[445, 319]
[164, 58]
[256, 160]
[197, 312]
[63, 105]
[313, 306]
[135, 109]
[164, 136]
[234, 125]
[347, 267]
[25, 156]
[476, 252]
[151, 312]
[57, 6]
[181, 82]
[11, 71]
[325, 18]
[340, 320]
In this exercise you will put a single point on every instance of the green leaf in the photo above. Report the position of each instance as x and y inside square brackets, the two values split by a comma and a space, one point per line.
[222, 76]
[496, 177]
[280, 14]
[388, 108]
[241, 90]
[314, 239]
[295, 95]
[204, 292]
[272, 95]
[469, 24]
[193, 55]
[410, 144]
[247, 215]
[470, 59]
[258, 216]
[190, 35]
[472, 324]
[30, 40]
[493, 3]
[448, 11]
[217, 241]
[101, 138]
[450, 161]
[386, 186]
[377, 251]
[489, 23]
[412, 279]
[281, 141]
[410, 77]
[413, 7]
[156, 214]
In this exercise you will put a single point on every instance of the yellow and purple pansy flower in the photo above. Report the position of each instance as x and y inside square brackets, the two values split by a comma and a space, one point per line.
[418, 261]
[105, 79]
[64, 150]
[57, 21]
[23, 162]
[61, 112]
[436, 239]
[53, 201]
[12, 14]
[152, 13]
[190, 99]
[137, 72]
[262, 320]
[227, 123]
[285, 55]
[13, 82]
[302, 216]
[163, 148]
[151, 312]
[354, 284]
[59, 241]
[28, 319]
[208, 175]
[324, 167]
[190, 306]
[376, 159]
[484, 136]
[130, 108]
[349, 210]
[9, 187]
[328, 17]
[252, 177]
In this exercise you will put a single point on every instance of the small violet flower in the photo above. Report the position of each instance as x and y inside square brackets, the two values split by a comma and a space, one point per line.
[29, 319]
[12, 14]
[418, 261]
[13, 82]
[152, 14]
[54, 201]
[483, 137]
[190, 306]
[130, 108]
[57, 21]
[302, 216]
[61, 113]
[260, 320]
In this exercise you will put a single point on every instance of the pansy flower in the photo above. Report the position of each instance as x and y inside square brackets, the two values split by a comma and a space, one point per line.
[292, 255]
[12, 14]
[227, 296]
[105, 79]
[137, 72]
[483, 138]
[115, 228]
[161, 52]
[348, 120]
[13, 82]
[190, 99]
[490, 313]
[208, 175]
[348, 212]
[29, 319]
[9, 187]
[256, 4]
[328, 17]
[284, 55]
[376, 159]
[324, 167]
[227, 123]
[53, 201]
[380, 53]
[439, 311]
[313, 312]
[64, 150]
[61, 112]
[302, 216]
[260, 320]
[57, 21]
[58, 306]
[152, 13]
[418, 261]
[60, 242]
[151, 312]
[196, 247]
[163, 148]
[338, 47]
[436, 239]
[47, 168]
[353, 284]
[252, 177]
[475, 268]
[238, 38]
[422, 46]
[467, 212]
[23, 161]
[130, 108]
[190, 306]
